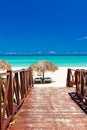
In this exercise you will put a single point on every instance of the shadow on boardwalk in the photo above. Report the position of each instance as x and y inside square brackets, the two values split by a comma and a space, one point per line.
[49, 108]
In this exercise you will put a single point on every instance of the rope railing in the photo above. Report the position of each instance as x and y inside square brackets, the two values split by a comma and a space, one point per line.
[13, 89]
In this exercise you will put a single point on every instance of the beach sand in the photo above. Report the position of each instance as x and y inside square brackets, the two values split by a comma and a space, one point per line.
[58, 77]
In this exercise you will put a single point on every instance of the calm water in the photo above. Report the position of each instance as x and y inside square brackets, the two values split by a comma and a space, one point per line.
[62, 61]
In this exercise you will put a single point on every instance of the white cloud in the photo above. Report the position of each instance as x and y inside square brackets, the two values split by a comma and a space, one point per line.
[52, 52]
[82, 38]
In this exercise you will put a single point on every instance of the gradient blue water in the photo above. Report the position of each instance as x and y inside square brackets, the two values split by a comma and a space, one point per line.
[62, 61]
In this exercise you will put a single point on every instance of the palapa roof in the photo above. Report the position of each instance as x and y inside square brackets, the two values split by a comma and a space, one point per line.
[4, 65]
[44, 66]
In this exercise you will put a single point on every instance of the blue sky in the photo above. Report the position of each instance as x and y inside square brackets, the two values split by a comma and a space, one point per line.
[43, 26]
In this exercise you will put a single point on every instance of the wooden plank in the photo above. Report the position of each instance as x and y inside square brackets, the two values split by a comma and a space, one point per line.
[49, 108]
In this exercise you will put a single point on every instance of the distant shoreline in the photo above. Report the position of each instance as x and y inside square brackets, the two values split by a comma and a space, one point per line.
[43, 54]
[59, 60]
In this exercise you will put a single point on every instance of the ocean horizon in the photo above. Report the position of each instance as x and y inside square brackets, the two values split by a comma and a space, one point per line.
[59, 60]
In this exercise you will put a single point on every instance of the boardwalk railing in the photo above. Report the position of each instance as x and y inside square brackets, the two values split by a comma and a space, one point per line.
[14, 86]
[79, 79]
[71, 79]
[83, 91]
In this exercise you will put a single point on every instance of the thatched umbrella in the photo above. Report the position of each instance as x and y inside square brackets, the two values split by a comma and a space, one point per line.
[44, 66]
[4, 65]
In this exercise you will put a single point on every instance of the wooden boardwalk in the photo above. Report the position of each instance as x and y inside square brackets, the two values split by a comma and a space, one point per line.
[49, 109]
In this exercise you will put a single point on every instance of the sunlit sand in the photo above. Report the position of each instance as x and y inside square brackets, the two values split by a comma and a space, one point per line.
[58, 77]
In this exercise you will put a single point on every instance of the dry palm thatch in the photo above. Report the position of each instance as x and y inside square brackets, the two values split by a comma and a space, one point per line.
[44, 66]
[4, 65]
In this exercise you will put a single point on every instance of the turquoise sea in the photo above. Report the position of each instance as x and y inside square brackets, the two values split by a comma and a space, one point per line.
[62, 61]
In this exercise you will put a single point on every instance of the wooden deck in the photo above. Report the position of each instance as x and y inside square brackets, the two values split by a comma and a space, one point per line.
[49, 109]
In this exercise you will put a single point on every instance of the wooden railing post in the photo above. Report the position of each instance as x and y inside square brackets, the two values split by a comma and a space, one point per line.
[30, 78]
[22, 83]
[0, 107]
[68, 78]
[82, 83]
[10, 94]
[27, 82]
[76, 79]
[17, 86]
[13, 89]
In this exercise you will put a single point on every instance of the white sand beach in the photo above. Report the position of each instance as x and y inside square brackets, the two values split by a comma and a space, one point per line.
[58, 77]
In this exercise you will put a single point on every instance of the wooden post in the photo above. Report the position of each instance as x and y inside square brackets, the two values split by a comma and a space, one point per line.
[30, 78]
[43, 76]
[22, 83]
[82, 83]
[68, 78]
[27, 79]
[10, 94]
[28, 73]
[17, 86]
[32, 85]
[76, 79]
[0, 106]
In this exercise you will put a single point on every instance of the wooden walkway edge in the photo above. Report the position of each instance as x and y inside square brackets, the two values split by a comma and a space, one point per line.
[49, 109]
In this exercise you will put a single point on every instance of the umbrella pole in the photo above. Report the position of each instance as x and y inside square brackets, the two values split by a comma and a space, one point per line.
[43, 75]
